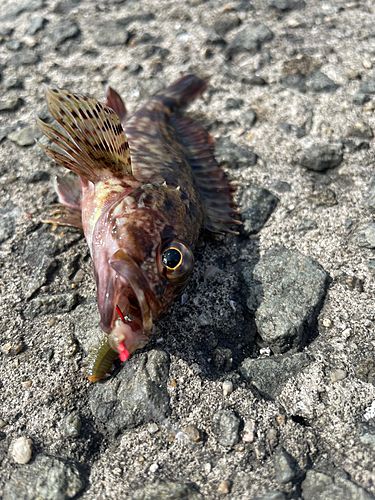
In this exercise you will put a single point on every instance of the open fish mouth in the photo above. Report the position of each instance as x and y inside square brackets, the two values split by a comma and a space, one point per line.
[141, 302]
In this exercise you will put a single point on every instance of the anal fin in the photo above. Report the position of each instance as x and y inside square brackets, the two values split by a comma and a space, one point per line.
[211, 181]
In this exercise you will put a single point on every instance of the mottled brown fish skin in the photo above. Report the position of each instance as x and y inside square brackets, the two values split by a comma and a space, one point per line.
[148, 185]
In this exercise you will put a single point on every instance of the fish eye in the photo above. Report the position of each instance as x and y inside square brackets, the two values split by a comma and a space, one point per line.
[176, 261]
[172, 258]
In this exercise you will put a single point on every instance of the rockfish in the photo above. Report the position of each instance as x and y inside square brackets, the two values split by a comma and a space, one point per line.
[145, 187]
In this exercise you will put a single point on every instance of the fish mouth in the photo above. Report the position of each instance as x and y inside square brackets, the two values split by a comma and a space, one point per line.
[139, 302]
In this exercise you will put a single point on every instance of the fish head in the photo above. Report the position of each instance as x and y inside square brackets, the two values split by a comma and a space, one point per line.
[146, 265]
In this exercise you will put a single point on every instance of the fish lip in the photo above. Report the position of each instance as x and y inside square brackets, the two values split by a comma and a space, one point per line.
[135, 278]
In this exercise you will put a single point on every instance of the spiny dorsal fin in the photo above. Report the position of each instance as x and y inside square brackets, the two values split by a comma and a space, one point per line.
[88, 137]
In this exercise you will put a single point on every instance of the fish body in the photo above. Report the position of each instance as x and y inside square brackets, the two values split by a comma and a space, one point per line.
[147, 185]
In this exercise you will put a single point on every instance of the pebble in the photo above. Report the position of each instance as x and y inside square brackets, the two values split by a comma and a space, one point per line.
[321, 157]
[168, 490]
[72, 425]
[224, 487]
[283, 5]
[285, 466]
[361, 130]
[21, 450]
[337, 375]
[225, 23]
[10, 103]
[45, 478]
[227, 388]
[250, 39]
[318, 485]
[320, 82]
[193, 433]
[256, 204]
[138, 395]
[249, 431]
[154, 467]
[36, 24]
[62, 31]
[234, 155]
[111, 34]
[23, 137]
[249, 117]
[226, 426]
[269, 375]
[152, 428]
[365, 236]
[291, 288]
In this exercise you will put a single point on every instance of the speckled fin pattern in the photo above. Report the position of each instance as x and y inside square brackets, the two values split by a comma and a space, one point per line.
[210, 179]
[87, 137]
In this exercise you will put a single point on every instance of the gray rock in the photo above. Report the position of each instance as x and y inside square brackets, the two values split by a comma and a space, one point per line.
[72, 425]
[367, 87]
[14, 9]
[297, 82]
[249, 117]
[361, 130]
[111, 34]
[321, 157]
[293, 289]
[269, 375]
[232, 103]
[365, 370]
[272, 495]
[46, 477]
[226, 22]
[320, 82]
[14, 82]
[367, 434]
[228, 153]
[51, 304]
[25, 58]
[62, 31]
[286, 469]
[318, 486]
[364, 237]
[226, 426]
[251, 38]
[257, 204]
[36, 24]
[10, 103]
[137, 395]
[167, 490]
[285, 5]
[24, 137]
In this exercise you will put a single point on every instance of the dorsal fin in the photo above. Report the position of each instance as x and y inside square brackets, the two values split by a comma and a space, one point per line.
[88, 137]
[210, 179]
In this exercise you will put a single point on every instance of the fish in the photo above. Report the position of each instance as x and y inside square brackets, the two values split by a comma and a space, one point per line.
[145, 186]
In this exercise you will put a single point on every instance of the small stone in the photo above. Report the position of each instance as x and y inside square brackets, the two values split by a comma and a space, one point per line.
[224, 487]
[233, 103]
[225, 23]
[367, 87]
[72, 425]
[321, 157]
[21, 450]
[367, 434]
[250, 39]
[269, 375]
[24, 137]
[111, 34]
[285, 466]
[227, 388]
[257, 205]
[10, 103]
[45, 477]
[62, 31]
[36, 24]
[222, 358]
[228, 153]
[327, 323]
[136, 396]
[318, 485]
[193, 433]
[12, 348]
[152, 428]
[365, 235]
[3, 423]
[249, 117]
[25, 58]
[226, 427]
[249, 431]
[337, 375]
[7, 226]
[361, 130]
[365, 370]
[284, 5]
[272, 495]
[154, 467]
[320, 82]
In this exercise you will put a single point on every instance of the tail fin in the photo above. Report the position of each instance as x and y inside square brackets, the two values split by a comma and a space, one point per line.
[183, 91]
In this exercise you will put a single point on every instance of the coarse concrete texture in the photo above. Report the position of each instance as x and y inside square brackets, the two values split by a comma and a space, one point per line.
[282, 314]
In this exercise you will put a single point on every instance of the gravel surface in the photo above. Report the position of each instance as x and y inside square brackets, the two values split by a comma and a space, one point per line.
[260, 382]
